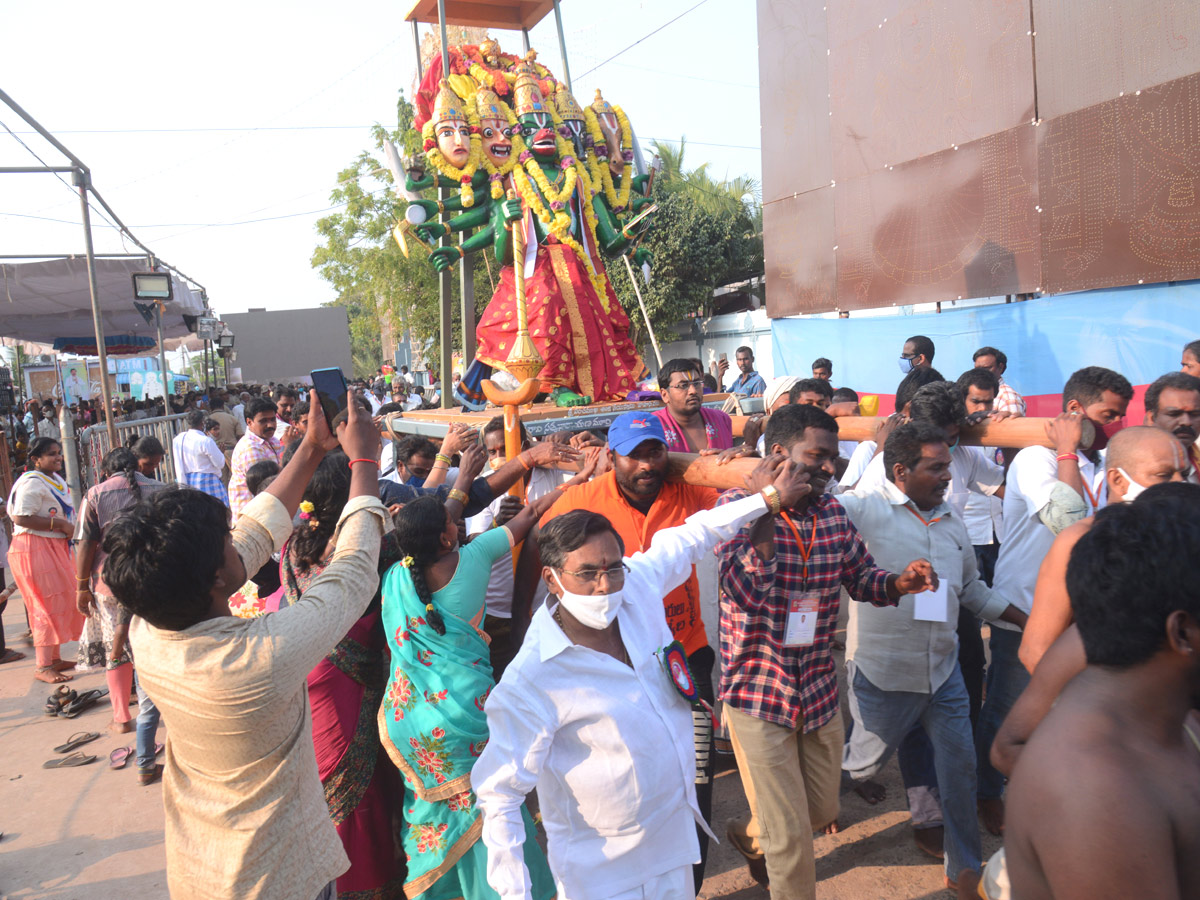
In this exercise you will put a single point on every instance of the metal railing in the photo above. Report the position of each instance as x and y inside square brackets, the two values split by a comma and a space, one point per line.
[93, 444]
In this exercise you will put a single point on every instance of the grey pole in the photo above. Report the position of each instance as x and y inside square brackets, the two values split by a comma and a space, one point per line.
[525, 39]
[417, 47]
[445, 296]
[466, 284]
[562, 45]
[82, 180]
[162, 350]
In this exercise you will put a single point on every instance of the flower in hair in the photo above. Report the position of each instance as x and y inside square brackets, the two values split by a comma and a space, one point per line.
[407, 562]
[306, 510]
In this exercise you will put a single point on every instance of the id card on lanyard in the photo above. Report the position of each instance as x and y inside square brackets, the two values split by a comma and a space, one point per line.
[800, 629]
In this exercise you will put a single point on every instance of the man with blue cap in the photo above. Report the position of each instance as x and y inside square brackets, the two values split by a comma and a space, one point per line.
[635, 496]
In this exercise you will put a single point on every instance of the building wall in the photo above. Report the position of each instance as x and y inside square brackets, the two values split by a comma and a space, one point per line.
[948, 149]
[287, 344]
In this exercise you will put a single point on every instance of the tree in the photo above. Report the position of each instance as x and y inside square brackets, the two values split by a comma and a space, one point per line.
[705, 234]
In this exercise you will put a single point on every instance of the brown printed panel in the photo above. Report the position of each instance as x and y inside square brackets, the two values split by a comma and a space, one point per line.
[793, 93]
[1088, 53]
[1120, 188]
[911, 79]
[800, 260]
[960, 223]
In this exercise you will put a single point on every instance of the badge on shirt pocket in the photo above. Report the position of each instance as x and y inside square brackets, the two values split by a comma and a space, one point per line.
[674, 660]
[801, 627]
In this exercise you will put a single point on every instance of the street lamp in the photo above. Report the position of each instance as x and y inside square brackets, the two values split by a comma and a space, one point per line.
[155, 286]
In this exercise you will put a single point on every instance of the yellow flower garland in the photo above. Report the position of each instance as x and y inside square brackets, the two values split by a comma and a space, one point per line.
[601, 173]
[443, 165]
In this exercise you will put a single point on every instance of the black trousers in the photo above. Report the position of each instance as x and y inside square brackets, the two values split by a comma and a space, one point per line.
[701, 663]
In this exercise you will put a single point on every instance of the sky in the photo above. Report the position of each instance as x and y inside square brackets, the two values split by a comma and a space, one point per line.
[216, 131]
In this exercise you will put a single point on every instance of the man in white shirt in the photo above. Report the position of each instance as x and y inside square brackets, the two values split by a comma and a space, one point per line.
[198, 460]
[1045, 491]
[595, 711]
[903, 660]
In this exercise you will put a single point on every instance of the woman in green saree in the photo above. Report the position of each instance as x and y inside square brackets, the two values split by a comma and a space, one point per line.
[432, 722]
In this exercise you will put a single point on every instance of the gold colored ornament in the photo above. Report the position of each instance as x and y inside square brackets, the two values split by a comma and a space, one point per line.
[527, 92]
[488, 105]
[568, 110]
[449, 107]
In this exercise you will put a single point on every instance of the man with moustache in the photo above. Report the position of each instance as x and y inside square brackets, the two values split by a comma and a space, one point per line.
[638, 500]
[688, 426]
[1173, 404]
[781, 581]
[902, 662]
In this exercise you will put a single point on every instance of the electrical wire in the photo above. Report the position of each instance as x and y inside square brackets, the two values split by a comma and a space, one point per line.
[639, 40]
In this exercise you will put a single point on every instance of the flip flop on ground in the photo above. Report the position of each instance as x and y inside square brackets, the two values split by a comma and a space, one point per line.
[11, 656]
[58, 699]
[78, 739]
[120, 756]
[68, 762]
[83, 702]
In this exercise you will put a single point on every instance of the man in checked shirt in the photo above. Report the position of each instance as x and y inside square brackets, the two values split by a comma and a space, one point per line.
[780, 580]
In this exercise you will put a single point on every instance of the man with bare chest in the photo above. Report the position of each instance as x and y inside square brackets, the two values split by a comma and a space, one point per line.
[1104, 801]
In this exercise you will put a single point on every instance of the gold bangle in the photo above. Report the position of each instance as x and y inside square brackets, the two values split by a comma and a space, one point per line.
[771, 495]
[456, 494]
[442, 457]
[441, 207]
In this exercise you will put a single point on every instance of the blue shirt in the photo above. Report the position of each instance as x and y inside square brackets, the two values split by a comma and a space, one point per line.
[748, 385]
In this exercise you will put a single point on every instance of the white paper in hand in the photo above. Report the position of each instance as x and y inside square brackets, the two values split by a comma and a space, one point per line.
[932, 606]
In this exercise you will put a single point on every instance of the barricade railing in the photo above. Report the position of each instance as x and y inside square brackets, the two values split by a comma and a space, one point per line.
[93, 444]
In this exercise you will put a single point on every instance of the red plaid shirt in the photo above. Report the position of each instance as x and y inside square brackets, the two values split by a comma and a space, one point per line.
[761, 677]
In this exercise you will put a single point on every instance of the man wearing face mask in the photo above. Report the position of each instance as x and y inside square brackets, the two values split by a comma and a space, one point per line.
[1045, 491]
[595, 711]
[917, 353]
[639, 502]
[1137, 458]
[1173, 404]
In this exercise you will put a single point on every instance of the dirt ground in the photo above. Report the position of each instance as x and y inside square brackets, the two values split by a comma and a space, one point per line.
[91, 833]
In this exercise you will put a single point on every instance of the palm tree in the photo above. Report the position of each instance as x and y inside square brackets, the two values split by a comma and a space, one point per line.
[741, 195]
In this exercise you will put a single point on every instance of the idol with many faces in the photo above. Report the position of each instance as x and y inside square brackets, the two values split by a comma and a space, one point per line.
[497, 141]
[454, 140]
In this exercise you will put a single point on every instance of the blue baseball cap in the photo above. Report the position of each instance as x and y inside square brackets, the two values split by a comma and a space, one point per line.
[631, 428]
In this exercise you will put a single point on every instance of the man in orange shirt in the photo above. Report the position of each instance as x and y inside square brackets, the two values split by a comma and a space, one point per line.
[636, 498]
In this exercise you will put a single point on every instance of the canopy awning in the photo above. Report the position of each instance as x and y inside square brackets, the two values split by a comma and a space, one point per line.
[507, 14]
[114, 345]
[45, 301]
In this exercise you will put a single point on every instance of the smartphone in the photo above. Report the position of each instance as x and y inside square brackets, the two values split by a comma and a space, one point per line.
[330, 385]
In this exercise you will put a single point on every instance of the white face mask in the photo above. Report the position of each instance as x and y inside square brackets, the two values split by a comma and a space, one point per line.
[1134, 490]
[593, 610]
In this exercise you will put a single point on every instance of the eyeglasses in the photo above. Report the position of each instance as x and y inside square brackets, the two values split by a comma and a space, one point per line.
[688, 385]
[616, 575]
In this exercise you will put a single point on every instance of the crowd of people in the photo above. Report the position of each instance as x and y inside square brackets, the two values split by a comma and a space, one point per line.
[380, 662]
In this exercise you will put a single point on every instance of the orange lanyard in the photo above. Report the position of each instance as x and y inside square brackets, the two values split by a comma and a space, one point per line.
[927, 524]
[805, 552]
[1091, 497]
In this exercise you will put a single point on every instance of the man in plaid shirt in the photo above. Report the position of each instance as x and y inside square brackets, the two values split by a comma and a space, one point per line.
[258, 443]
[780, 580]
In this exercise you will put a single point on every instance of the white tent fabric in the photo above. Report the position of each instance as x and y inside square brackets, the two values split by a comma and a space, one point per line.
[41, 301]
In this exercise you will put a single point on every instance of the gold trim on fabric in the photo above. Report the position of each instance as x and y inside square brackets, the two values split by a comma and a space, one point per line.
[579, 344]
[456, 852]
[441, 792]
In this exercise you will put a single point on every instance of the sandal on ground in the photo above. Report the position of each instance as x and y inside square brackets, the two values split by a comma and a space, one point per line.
[78, 739]
[120, 756]
[158, 748]
[83, 702]
[50, 675]
[11, 656]
[147, 777]
[69, 762]
[58, 699]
